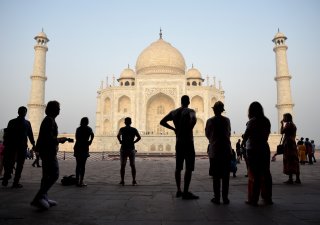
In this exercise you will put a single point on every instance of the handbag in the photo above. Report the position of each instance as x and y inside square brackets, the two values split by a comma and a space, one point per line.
[280, 147]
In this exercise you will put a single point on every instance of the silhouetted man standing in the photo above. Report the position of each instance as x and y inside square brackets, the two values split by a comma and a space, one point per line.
[184, 119]
[16, 143]
[126, 137]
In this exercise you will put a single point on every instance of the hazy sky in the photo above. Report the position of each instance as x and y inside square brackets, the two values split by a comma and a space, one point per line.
[231, 40]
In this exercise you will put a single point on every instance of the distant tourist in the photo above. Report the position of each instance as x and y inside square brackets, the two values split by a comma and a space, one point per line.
[238, 150]
[290, 154]
[218, 131]
[127, 137]
[184, 119]
[84, 138]
[255, 139]
[16, 144]
[313, 151]
[301, 152]
[308, 145]
[47, 146]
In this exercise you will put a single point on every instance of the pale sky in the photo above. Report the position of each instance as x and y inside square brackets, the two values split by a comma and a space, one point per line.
[231, 40]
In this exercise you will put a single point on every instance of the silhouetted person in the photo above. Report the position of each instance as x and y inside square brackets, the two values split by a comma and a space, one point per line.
[308, 145]
[184, 119]
[47, 146]
[255, 139]
[218, 131]
[36, 162]
[238, 150]
[127, 137]
[16, 143]
[313, 151]
[290, 154]
[84, 138]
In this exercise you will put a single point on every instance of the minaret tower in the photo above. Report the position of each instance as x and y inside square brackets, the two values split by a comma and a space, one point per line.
[36, 104]
[284, 99]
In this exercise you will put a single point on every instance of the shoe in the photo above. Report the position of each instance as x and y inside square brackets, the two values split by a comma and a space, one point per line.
[178, 194]
[251, 203]
[40, 204]
[38, 166]
[4, 182]
[189, 196]
[288, 182]
[134, 183]
[52, 202]
[226, 201]
[33, 165]
[298, 181]
[246, 175]
[82, 185]
[215, 201]
[121, 183]
[17, 185]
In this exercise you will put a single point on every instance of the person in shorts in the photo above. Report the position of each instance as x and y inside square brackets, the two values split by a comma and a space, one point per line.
[127, 137]
[184, 120]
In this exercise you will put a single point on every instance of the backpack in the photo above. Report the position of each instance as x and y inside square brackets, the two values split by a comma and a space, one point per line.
[69, 180]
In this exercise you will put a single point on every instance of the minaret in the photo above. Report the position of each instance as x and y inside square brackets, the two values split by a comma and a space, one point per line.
[284, 99]
[36, 104]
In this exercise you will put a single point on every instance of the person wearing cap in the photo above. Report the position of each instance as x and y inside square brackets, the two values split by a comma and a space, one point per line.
[218, 131]
[184, 120]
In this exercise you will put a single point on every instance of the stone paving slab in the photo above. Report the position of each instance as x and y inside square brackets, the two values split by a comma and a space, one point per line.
[153, 200]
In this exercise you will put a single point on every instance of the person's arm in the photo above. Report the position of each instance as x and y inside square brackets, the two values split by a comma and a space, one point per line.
[118, 137]
[138, 137]
[30, 135]
[164, 122]
[91, 137]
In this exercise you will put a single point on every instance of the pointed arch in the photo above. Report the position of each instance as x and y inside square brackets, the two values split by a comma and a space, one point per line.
[157, 107]
[107, 106]
[197, 103]
[107, 128]
[124, 104]
[199, 127]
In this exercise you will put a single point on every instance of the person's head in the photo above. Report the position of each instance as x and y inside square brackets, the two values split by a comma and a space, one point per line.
[239, 140]
[185, 101]
[53, 109]
[287, 117]
[84, 121]
[22, 111]
[127, 121]
[255, 110]
[302, 138]
[312, 141]
[307, 139]
[218, 108]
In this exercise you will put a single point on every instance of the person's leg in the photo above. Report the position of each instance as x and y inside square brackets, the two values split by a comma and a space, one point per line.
[266, 188]
[82, 170]
[50, 174]
[177, 174]
[225, 187]
[8, 164]
[20, 158]
[78, 169]
[216, 190]
[123, 162]
[187, 180]
[133, 167]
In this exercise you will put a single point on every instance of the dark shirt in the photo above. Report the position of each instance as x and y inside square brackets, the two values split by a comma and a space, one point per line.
[47, 143]
[128, 134]
[83, 134]
[18, 132]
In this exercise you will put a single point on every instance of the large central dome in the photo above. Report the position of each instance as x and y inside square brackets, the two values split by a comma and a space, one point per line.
[160, 58]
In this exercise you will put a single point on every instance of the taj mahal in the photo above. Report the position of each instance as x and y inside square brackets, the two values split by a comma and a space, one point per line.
[150, 91]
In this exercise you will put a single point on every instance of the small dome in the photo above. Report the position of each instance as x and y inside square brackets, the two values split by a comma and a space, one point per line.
[279, 35]
[41, 35]
[160, 58]
[193, 73]
[127, 73]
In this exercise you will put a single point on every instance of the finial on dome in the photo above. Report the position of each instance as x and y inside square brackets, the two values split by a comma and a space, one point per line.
[192, 65]
[160, 34]
[278, 30]
[128, 66]
[42, 29]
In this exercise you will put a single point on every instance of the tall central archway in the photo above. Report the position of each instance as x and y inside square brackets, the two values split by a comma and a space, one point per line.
[158, 106]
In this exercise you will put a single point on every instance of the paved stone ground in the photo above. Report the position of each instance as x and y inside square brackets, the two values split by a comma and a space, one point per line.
[153, 200]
